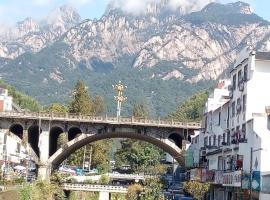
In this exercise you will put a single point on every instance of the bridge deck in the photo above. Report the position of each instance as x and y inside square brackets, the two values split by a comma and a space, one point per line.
[100, 119]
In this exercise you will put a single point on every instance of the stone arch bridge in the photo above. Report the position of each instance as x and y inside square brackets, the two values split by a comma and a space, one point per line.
[39, 133]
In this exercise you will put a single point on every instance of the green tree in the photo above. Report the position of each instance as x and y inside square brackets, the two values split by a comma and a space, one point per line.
[153, 189]
[196, 189]
[61, 140]
[100, 155]
[134, 191]
[41, 190]
[98, 105]
[20, 99]
[140, 110]
[138, 154]
[104, 180]
[192, 109]
[56, 108]
[81, 102]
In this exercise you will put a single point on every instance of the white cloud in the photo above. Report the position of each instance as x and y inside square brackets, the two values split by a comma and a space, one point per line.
[139, 6]
[42, 2]
[189, 5]
[132, 6]
[80, 2]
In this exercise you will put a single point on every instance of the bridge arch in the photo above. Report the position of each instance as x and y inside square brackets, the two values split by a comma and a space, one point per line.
[54, 134]
[61, 154]
[16, 132]
[74, 132]
[33, 138]
[17, 129]
[177, 139]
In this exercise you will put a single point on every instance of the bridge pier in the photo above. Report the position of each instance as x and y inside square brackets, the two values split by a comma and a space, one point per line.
[44, 146]
[104, 196]
[44, 172]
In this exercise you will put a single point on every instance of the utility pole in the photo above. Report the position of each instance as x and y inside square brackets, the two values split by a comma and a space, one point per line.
[90, 158]
[250, 171]
[119, 88]
[84, 151]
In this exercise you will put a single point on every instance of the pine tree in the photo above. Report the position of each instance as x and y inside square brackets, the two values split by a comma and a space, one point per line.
[82, 102]
[99, 107]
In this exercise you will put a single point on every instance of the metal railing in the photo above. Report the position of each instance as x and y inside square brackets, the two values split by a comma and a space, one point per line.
[94, 188]
[101, 119]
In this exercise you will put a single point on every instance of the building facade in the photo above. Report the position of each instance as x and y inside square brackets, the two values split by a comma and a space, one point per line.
[236, 132]
[5, 100]
[12, 153]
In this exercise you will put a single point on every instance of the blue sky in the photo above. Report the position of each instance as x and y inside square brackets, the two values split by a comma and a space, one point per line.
[16, 10]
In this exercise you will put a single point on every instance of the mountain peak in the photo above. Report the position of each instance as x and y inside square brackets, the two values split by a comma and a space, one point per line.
[241, 7]
[28, 25]
[237, 7]
[64, 16]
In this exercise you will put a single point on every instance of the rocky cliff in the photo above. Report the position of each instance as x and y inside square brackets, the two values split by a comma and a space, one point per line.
[162, 49]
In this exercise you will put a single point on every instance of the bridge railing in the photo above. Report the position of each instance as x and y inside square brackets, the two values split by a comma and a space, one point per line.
[98, 188]
[101, 119]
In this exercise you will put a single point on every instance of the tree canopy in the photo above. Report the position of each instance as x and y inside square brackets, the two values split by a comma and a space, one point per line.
[22, 100]
[140, 110]
[191, 109]
[138, 154]
[81, 102]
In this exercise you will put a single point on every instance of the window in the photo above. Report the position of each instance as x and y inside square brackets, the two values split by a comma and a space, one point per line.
[228, 138]
[245, 72]
[205, 141]
[233, 109]
[234, 82]
[243, 132]
[239, 77]
[210, 141]
[224, 135]
[219, 140]
[219, 116]
[244, 102]
[238, 106]
[214, 142]
[237, 133]
[220, 163]
[228, 117]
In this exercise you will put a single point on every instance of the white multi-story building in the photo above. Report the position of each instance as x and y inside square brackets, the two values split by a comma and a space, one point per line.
[236, 131]
[5, 100]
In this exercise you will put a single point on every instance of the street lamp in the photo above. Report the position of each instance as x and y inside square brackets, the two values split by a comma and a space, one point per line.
[119, 88]
[251, 170]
